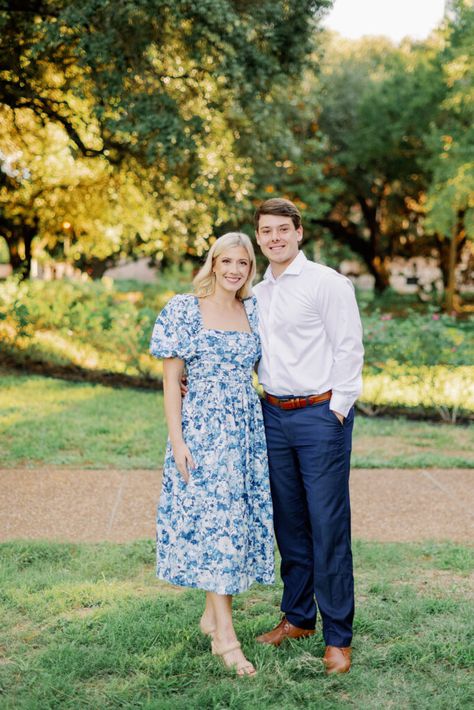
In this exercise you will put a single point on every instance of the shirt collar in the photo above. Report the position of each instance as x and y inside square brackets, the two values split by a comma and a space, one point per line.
[295, 268]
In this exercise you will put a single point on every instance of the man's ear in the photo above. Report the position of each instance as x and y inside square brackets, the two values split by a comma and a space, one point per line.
[256, 238]
[299, 232]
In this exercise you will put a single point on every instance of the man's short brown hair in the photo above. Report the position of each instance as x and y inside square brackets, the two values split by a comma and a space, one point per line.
[278, 206]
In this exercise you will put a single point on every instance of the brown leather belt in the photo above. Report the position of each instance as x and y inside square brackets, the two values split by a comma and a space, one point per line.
[297, 402]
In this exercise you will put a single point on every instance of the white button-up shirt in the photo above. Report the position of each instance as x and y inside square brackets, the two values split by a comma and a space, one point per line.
[311, 334]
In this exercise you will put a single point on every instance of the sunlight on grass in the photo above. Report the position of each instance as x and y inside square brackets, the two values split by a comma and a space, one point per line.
[64, 350]
[37, 391]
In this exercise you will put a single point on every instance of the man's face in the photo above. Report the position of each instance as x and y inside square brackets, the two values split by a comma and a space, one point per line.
[278, 239]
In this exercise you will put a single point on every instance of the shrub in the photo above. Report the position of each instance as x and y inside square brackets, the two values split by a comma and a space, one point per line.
[102, 326]
[422, 351]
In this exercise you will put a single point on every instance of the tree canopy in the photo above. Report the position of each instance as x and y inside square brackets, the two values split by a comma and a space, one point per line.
[384, 134]
[177, 94]
[144, 127]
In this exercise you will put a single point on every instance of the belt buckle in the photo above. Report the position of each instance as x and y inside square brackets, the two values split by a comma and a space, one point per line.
[298, 402]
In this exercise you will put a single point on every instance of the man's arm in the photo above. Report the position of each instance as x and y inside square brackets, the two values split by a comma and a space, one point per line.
[341, 319]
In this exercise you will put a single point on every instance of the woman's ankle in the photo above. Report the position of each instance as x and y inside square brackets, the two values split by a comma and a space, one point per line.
[225, 636]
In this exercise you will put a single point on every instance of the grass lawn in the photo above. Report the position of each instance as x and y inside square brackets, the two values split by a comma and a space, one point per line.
[49, 421]
[88, 626]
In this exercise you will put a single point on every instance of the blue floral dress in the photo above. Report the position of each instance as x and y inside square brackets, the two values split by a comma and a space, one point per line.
[215, 532]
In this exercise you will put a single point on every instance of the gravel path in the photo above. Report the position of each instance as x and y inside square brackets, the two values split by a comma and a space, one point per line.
[388, 505]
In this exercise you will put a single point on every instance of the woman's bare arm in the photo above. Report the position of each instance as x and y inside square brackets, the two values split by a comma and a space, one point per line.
[173, 369]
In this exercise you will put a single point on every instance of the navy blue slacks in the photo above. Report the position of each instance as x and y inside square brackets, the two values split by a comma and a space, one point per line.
[309, 458]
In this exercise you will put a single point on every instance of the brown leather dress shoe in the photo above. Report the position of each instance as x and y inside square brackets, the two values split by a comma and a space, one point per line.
[283, 631]
[337, 660]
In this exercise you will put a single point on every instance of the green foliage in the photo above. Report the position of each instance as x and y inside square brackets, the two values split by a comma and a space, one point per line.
[429, 355]
[103, 327]
[90, 626]
[377, 103]
[14, 315]
[383, 156]
[418, 340]
[451, 160]
[112, 328]
[137, 123]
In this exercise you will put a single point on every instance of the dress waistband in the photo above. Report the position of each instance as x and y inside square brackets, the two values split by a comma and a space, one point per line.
[231, 375]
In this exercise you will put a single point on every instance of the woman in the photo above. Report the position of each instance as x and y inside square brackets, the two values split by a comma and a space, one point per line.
[214, 527]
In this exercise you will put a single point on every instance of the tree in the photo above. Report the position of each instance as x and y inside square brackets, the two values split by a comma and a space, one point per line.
[450, 197]
[79, 209]
[377, 103]
[369, 131]
[175, 92]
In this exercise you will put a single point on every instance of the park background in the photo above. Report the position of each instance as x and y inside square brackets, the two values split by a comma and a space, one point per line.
[132, 134]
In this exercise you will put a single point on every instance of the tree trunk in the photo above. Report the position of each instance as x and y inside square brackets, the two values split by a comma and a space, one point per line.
[444, 249]
[452, 300]
[377, 267]
[451, 287]
[13, 243]
[93, 266]
[380, 274]
[29, 233]
[364, 248]
[21, 235]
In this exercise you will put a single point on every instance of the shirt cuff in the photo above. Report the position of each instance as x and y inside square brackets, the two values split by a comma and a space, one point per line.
[341, 403]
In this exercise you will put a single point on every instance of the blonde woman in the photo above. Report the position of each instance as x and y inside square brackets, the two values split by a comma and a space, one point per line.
[214, 527]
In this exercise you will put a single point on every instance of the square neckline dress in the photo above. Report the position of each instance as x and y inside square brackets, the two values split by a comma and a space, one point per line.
[215, 532]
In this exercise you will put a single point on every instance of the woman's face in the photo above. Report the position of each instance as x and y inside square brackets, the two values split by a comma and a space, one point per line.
[232, 268]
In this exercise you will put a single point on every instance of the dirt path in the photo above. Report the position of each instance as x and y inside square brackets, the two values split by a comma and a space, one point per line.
[388, 505]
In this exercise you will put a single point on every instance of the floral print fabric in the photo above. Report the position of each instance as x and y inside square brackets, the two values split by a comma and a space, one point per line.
[215, 532]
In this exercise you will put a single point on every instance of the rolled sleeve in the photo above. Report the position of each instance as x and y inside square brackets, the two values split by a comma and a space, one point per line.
[344, 328]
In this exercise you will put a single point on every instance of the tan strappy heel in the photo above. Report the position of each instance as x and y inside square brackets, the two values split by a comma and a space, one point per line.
[243, 669]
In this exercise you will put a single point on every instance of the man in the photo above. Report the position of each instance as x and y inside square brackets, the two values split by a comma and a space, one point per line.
[311, 375]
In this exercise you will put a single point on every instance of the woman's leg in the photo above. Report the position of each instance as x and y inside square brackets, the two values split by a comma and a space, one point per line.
[208, 618]
[224, 639]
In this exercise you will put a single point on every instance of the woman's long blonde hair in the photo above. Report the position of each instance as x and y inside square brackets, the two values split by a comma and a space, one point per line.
[205, 281]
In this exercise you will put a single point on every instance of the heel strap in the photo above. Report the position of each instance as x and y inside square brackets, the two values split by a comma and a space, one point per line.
[221, 651]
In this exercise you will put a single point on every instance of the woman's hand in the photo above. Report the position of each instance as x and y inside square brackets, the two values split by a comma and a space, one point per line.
[184, 460]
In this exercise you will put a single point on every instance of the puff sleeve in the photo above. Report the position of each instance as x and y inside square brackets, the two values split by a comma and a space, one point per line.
[171, 335]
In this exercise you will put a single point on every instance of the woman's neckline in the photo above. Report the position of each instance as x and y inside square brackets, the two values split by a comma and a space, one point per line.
[221, 330]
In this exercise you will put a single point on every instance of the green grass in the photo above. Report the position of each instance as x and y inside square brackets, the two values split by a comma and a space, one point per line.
[88, 626]
[50, 421]
[403, 443]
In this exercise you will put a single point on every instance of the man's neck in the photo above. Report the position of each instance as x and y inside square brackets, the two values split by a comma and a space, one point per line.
[279, 269]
